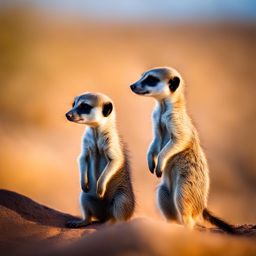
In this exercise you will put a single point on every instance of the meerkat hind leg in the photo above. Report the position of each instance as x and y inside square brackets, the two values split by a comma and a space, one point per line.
[185, 219]
[188, 221]
[87, 220]
[122, 208]
[166, 203]
[78, 223]
[184, 210]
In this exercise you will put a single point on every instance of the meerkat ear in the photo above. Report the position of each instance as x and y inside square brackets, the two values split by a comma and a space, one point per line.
[174, 83]
[107, 109]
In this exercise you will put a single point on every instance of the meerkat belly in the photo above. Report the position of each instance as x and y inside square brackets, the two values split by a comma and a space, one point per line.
[165, 138]
[98, 162]
[164, 132]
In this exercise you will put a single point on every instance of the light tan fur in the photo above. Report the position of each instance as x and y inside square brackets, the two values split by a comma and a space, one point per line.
[107, 192]
[175, 152]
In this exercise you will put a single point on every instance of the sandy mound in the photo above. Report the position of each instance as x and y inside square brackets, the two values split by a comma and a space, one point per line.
[27, 227]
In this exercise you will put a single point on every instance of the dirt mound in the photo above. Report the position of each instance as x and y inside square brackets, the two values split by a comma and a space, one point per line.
[27, 227]
[32, 211]
[23, 222]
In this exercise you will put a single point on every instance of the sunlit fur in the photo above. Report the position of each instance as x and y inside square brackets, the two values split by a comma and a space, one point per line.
[107, 192]
[175, 152]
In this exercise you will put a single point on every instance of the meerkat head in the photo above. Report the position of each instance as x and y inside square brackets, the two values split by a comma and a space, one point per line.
[159, 83]
[91, 109]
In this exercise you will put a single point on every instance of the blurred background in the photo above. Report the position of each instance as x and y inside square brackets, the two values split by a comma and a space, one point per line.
[51, 51]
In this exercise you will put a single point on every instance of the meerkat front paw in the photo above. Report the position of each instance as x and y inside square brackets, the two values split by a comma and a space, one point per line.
[151, 163]
[101, 188]
[159, 168]
[151, 157]
[158, 171]
[85, 187]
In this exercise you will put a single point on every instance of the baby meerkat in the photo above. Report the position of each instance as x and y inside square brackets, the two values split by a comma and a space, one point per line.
[175, 151]
[107, 192]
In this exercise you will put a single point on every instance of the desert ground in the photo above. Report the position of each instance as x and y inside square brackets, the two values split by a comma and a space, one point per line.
[28, 228]
[46, 60]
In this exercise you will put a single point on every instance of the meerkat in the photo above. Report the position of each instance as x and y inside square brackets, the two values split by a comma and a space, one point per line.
[175, 152]
[107, 192]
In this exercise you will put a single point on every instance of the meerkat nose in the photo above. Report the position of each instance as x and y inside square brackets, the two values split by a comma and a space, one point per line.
[69, 116]
[132, 86]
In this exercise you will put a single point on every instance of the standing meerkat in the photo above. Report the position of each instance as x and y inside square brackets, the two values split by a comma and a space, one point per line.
[175, 151]
[107, 192]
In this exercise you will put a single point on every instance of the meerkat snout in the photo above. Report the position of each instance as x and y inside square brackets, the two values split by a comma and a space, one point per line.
[72, 116]
[69, 116]
[133, 87]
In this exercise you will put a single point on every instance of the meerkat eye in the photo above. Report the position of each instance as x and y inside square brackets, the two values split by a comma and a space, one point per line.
[150, 81]
[84, 108]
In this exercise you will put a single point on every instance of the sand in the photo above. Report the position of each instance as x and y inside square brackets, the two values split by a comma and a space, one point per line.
[29, 228]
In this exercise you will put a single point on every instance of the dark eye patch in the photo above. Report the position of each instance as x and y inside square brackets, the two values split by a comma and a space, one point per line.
[150, 81]
[84, 108]
[73, 104]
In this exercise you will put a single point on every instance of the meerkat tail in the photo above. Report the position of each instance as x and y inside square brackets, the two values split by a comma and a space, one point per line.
[208, 216]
